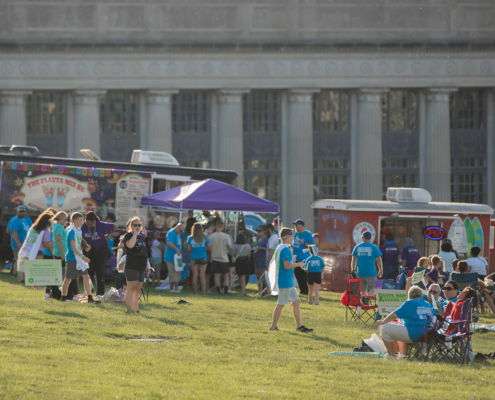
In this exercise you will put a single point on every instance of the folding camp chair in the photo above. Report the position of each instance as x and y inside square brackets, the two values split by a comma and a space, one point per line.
[465, 280]
[451, 340]
[359, 311]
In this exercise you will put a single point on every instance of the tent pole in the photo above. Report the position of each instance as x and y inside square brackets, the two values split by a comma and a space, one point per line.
[235, 225]
[180, 214]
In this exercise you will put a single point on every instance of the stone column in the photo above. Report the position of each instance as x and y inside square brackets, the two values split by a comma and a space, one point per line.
[159, 124]
[300, 157]
[437, 144]
[13, 117]
[86, 121]
[368, 144]
[230, 153]
[490, 147]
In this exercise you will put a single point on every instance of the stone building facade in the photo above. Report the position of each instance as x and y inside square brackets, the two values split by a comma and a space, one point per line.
[305, 99]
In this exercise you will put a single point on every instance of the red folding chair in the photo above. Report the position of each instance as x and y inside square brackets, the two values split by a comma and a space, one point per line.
[356, 308]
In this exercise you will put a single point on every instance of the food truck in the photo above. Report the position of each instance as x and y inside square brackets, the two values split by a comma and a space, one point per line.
[407, 213]
[81, 185]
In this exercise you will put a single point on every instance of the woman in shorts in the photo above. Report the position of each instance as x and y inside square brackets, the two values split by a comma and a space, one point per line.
[136, 263]
[197, 244]
[315, 266]
[157, 256]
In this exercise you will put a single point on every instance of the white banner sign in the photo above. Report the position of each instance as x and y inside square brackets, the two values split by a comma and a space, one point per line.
[389, 300]
[61, 192]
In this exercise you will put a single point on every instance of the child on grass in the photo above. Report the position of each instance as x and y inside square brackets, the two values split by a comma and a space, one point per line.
[285, 282]
[315, 266]
[432, 276]
[77, 263]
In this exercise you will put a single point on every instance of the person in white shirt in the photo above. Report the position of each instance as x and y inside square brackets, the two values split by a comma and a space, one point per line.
[477, 264]
[273, 242]
[447, 255]
[157, 249]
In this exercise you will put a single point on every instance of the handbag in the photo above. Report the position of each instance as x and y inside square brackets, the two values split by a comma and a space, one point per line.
[237, 255]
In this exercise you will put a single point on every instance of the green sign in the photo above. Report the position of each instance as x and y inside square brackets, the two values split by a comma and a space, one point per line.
[389, 300]
[43, 272]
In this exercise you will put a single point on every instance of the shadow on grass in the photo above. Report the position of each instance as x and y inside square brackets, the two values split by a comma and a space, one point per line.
[312, 336]
[66, 314]
[174, 322]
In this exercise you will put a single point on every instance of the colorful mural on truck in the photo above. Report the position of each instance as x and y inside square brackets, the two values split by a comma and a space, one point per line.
[75, 189]
[466, 234]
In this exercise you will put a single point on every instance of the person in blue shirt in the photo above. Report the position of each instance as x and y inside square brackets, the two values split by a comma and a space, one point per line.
[315, 266]
[287, 291]
[414, 312]
[18, 227]
[434, 291]
[302, 240]
[197, 244]
[390, 258]
[410, 256]
[174, 246]
[364, 255]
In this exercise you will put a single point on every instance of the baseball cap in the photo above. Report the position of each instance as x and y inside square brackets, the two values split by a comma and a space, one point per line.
[21, 208]
[366, 235]
[299, 221]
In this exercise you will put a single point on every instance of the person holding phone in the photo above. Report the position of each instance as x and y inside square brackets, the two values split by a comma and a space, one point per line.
[136, 263]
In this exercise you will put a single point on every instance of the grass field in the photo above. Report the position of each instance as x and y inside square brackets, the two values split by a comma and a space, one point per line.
[219, 347]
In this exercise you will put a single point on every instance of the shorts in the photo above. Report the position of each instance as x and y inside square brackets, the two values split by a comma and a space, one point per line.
[482, 277]
[199, 261]
[16, 255]
[156, 260]
[132, 275]
[71, 270]
[242, 266]
[395, 331]
[314, 277]
[40, 253]
[218, 267]
[287, 294]
[368, 283]
[259, 263]
[230, 260]
[173, 275]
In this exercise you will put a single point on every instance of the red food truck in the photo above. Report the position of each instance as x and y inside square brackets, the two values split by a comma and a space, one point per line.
[407, 213]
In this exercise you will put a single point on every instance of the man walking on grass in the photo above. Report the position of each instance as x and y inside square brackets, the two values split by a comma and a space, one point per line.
[286, 290]
[364, 255]
[221, 245]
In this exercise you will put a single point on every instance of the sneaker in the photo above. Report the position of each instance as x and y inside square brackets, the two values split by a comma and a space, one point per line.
[273, 329]
[303, 329]
[229, 291]
[310, 303]
[387, 357]
[317, 304]
[264, 292]
[91, 300]
[47, 296]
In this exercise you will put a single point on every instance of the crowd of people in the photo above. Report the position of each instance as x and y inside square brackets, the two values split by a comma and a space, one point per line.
[443, 294]
[84, 244]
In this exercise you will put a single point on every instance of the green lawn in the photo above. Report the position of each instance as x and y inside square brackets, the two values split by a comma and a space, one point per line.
[219, 347]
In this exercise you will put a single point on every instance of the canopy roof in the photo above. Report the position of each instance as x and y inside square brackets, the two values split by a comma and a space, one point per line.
[209, 195]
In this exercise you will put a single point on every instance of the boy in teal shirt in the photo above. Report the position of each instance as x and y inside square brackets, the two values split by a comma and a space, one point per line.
[287, 291]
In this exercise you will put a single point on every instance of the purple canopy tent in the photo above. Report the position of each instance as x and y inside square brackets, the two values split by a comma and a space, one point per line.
[209, 195]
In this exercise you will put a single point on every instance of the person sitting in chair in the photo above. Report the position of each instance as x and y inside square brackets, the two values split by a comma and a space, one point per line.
[463, 268]
[414, 313]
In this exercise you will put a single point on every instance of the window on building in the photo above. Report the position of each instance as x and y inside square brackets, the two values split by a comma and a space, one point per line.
[119, 112]
[191, 128]
[190, 112]
[119, 125]
[468, 146]
[46, 122]
[331, 146]
[400, 139]
[262, 143]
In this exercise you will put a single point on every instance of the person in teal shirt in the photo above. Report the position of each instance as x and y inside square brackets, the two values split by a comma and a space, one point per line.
[18, 227]
[365, 254]
[414, 312]
[315, 266]
[174, 246]
[302, 240]
[287, 292]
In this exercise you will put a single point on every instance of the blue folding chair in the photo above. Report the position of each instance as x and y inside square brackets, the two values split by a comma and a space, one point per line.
[465, 280]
